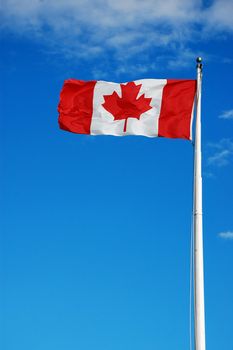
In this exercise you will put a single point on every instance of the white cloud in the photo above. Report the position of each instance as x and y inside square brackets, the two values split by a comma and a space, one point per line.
[227, 114]
[86, 29]
[220, 158]
[107, 14]
[226, 235]
[223, 153]
[219, 15]
[208, 175]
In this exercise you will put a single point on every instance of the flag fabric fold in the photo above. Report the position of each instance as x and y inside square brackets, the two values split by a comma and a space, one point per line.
[148, 107]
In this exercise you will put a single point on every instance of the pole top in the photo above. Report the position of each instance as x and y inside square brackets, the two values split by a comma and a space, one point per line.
[199, 62]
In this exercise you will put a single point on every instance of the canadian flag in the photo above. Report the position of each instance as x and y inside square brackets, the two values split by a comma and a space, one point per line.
[148, 107]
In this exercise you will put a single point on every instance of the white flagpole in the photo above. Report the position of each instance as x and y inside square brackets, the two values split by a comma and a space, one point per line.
[199, 306]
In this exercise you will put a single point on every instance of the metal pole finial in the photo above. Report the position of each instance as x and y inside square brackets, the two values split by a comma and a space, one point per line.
[199, 62]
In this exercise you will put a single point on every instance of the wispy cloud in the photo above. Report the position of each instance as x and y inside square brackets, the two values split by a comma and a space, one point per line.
[219, 15]
[125, 29]
[226, 235]
[208, 175]
[220, 158]
[222, 153]
[227, 114]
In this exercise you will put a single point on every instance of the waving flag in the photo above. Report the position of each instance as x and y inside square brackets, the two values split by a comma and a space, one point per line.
[148, 107]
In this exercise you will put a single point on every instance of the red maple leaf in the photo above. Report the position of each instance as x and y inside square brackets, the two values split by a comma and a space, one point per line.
[127, 106]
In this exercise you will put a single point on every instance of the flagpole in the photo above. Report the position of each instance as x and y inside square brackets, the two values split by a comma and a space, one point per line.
[199, 305]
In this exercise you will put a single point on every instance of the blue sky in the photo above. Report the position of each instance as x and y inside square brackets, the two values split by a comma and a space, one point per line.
[95, 231]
